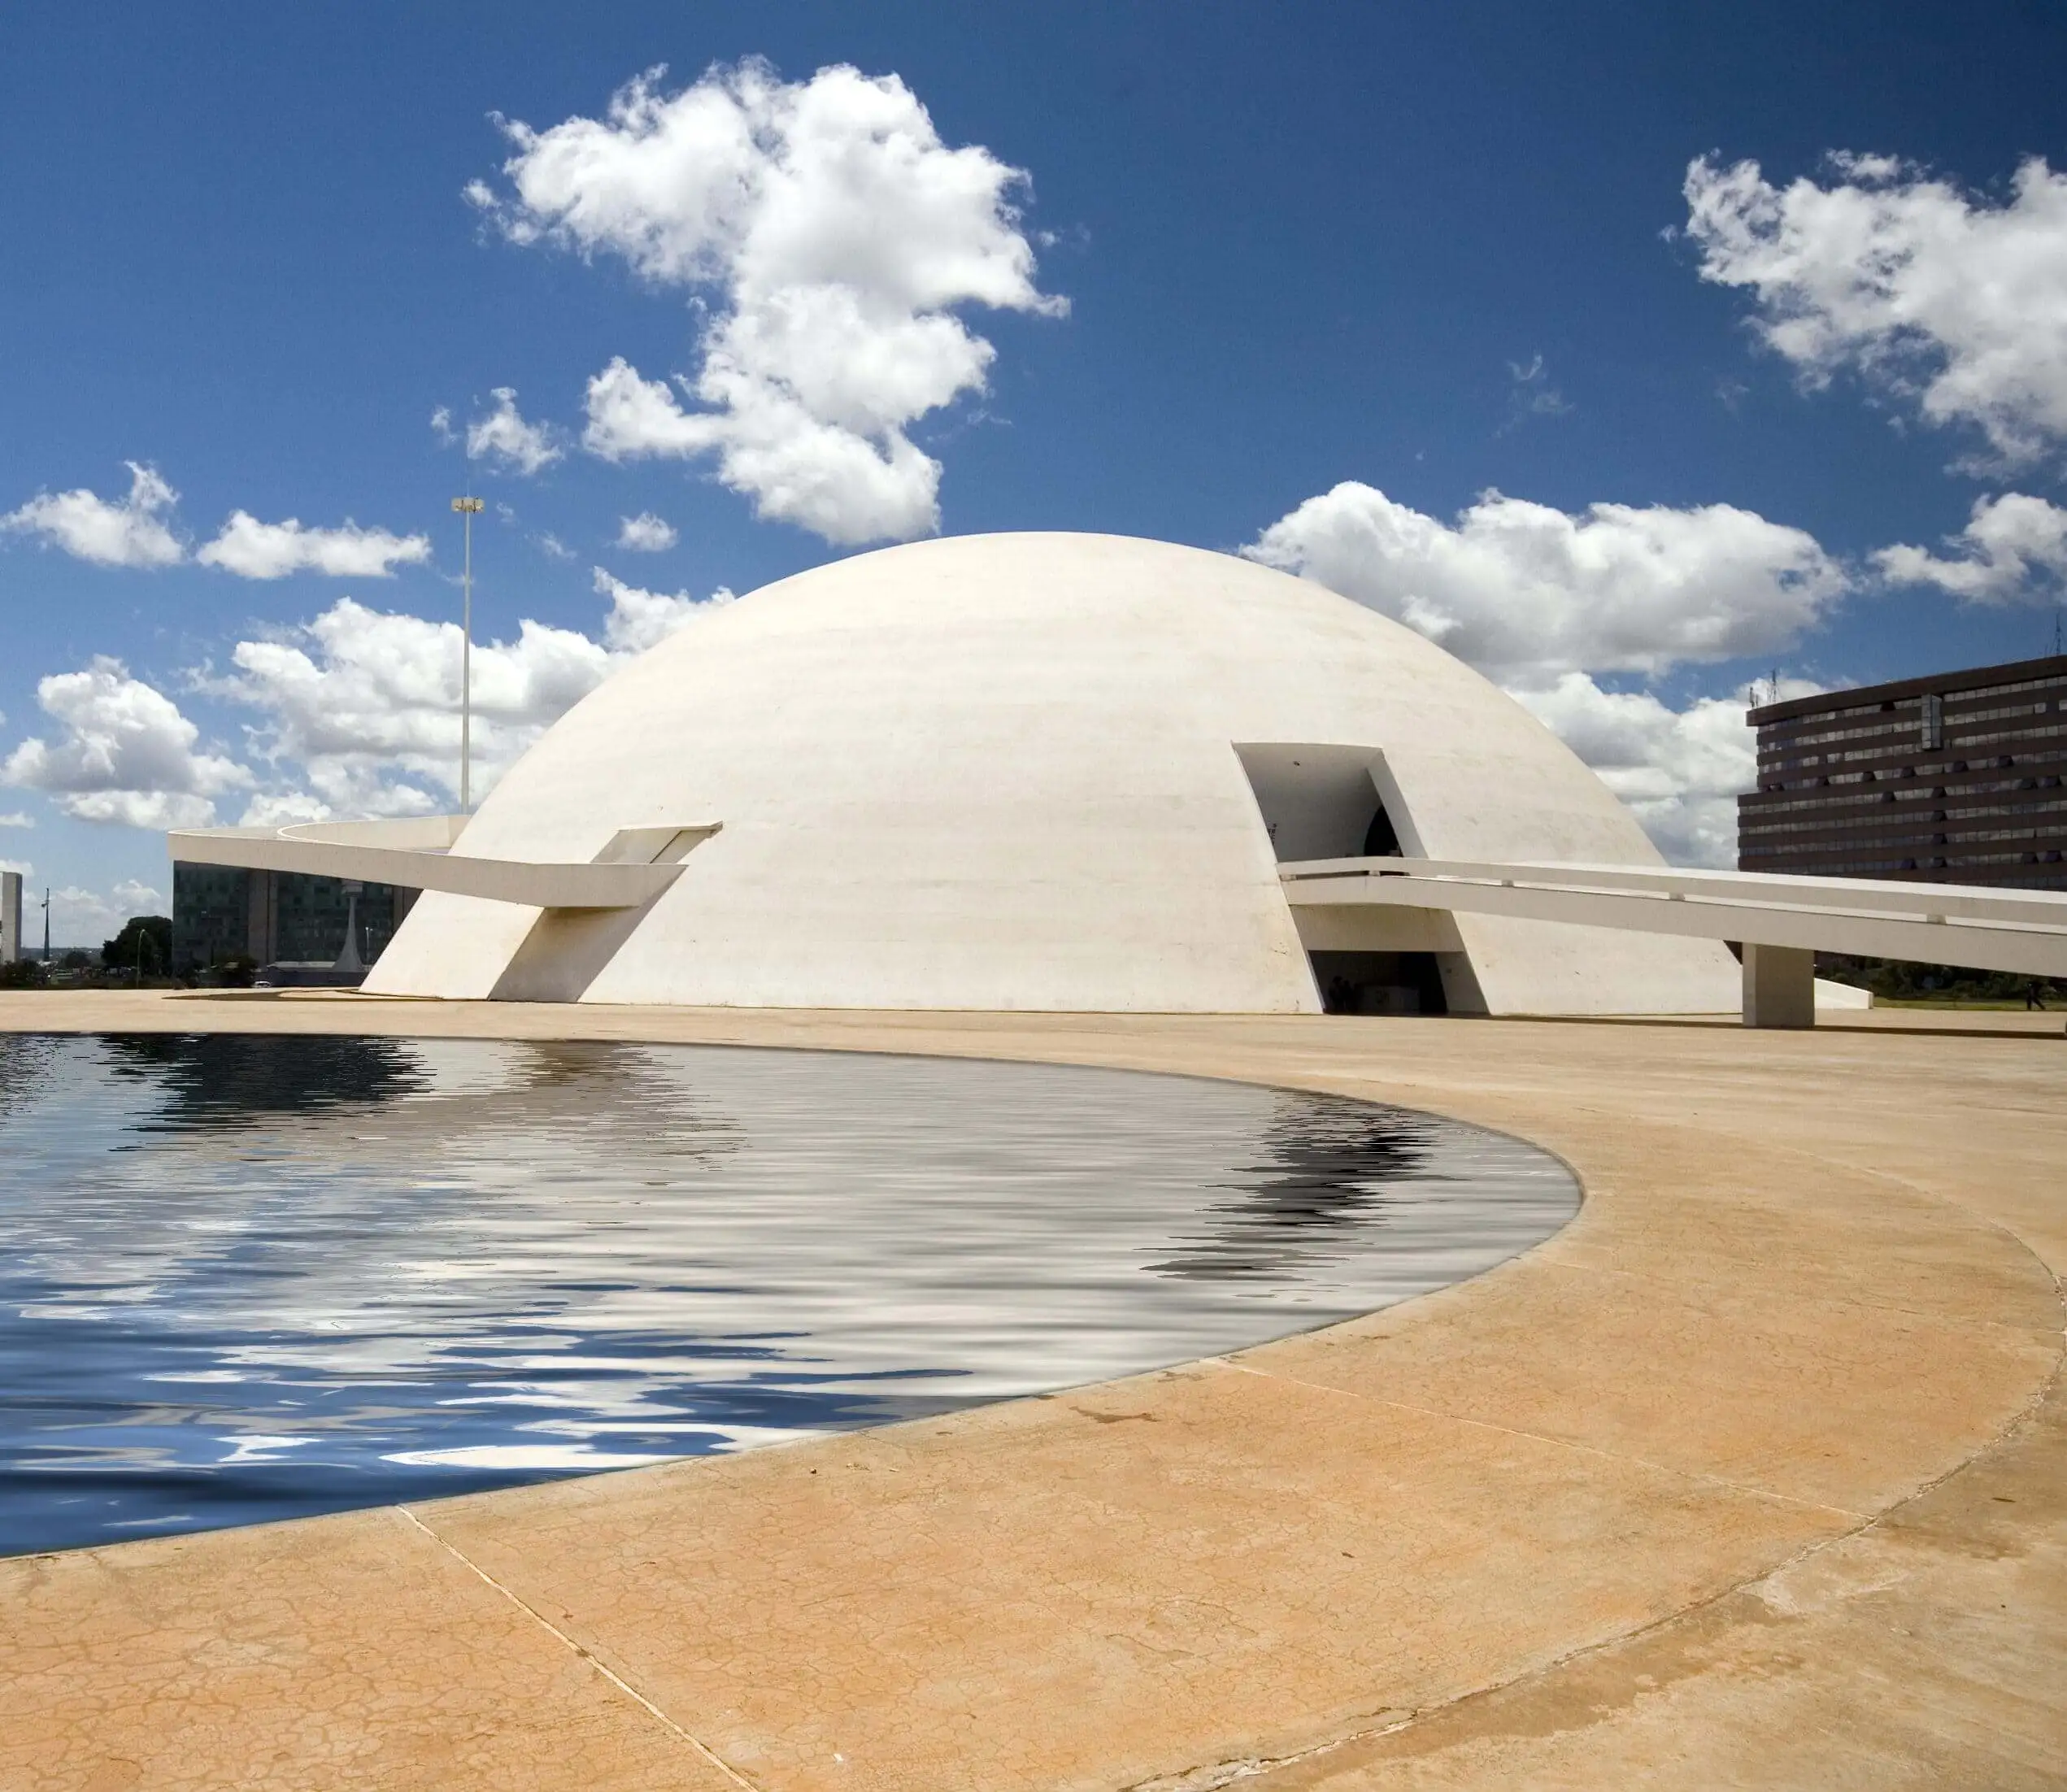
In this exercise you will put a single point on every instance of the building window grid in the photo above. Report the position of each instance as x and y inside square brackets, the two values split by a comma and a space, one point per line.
[1955, 809]
[1886, 730]
[2053, 683]
[2009, 734]
[2033, 870]
[2044, 805]
[1995, 714]
[1899, 728]
[1892, 727]
[1768, 766]
[1861, 827]
[2025, 765]
[1871, 785]
[1960, 849]
[1904, 709]
[2027, 870]
[2036, 791]
[1753, 801]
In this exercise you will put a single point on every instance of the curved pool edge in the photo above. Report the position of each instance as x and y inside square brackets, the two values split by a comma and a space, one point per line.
[1656, 1490]
[766, 1243]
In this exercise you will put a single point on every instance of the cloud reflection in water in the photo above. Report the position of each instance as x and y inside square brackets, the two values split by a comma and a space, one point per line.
[246, 1277]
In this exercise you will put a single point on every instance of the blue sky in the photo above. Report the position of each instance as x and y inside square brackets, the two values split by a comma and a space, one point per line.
[1432, 252]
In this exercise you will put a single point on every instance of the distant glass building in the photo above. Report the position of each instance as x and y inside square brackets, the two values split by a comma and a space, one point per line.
[1950, 779]
[275, 917]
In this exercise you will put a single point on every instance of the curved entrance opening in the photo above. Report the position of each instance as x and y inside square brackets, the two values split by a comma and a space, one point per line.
[1319, 801]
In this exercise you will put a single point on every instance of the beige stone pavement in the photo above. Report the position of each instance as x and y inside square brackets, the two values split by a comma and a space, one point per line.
[1754, 1475]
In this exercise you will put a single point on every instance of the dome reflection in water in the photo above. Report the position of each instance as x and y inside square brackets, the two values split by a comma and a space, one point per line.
[248, 1277]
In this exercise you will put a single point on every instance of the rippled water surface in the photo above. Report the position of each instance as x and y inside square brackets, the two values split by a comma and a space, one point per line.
[248, 1277]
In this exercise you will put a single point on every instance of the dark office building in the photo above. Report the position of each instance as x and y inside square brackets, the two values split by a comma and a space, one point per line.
[1951, 779]
[274, 917]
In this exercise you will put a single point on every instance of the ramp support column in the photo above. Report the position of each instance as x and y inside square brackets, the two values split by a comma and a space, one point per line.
[1779, 986]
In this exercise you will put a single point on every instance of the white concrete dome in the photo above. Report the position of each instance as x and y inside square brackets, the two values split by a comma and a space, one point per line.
[1037, 771]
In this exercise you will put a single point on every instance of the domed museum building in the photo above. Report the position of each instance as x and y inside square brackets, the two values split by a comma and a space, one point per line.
[1041, 771]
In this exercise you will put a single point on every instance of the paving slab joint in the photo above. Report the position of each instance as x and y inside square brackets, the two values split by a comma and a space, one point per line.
[703, 1749]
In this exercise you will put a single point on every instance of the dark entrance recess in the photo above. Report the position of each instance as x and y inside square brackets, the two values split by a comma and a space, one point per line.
[1379, 982]
[1381, 839]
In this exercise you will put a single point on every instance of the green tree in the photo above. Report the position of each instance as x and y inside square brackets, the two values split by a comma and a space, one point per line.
[143, 948]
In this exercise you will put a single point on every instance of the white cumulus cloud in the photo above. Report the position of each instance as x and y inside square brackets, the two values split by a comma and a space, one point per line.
[640, 619]
[1678, 771]
[359, 710]
[357, 713]
[836, 234]
[2013, 549]
[1543, 601]
[1526, 592]
[134, 532]
[1934, 297]
[645, 534]
[252, 550]
[83, 917]
[504, 439]
[126, 753]
[127, 532]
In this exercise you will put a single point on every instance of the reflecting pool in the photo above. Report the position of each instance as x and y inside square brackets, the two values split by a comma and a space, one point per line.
[246, 1277]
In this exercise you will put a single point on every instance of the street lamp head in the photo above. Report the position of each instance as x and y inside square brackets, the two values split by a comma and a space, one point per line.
[473, 504]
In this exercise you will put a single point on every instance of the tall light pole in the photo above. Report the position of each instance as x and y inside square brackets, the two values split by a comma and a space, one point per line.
[469, 508]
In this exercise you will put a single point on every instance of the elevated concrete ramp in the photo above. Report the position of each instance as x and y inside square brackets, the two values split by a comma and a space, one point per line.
[1780, 923]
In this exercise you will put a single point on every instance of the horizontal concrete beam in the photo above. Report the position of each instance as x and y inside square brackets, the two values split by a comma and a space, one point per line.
[412, 854]
[2025, 932]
